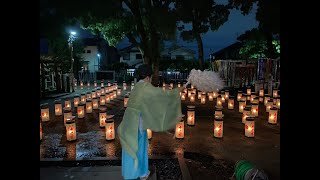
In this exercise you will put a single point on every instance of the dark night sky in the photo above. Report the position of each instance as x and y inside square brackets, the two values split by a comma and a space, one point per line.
[226, 35]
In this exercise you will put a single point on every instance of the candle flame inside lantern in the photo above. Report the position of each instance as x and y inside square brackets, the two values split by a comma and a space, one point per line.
[217, 128]
[80, 111]
[241, 107]
[68, 105]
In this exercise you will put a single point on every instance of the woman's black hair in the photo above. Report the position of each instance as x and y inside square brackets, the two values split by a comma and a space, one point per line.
[144, 71]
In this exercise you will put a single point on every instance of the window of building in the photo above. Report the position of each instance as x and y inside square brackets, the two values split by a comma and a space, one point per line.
[138, 56]
[88, 51]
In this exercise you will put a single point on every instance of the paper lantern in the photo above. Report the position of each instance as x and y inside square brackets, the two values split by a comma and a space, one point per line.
[226, 94]
[273, 114]
[45, 112]
[192, 86]
[58, 108]
[40, 131]
[246, 113]
[210, 95]
[218, 127]
[109, 127]
[191, 116]
[249, 127]
[179, 84]
[275, 101]
[239, 95]
[95, 103]
[95, 84]
[179, 132]
[248, 91]
[132, 85]
[261, 92]
[218, 112]
[93, 94]
[203, 99]
[115, 85]
[185, 90]
[192, 97]
[214, 94]
[219, 101]
[102, 84]
[111, 95]
[102, 91]
[102, 116]
[243, 98]
[67, 104]
[242, 105]
[231, 103]
[269, 105]
[124, 86]
[149, 133]
[114, 94]
[253, 95]
[194, 91]
[255, 109]
[76, 101]
[71, 131]
[248, 97]
[102, 100]
[89, 96]
[260, 99]
[255, 100]
[183, 96]
[83, 98]
[67, 114]
[109, 84]
[88, 85]
[171, 85]
[275, 93]
[119, 91]
[278, 103]
[223, 99]
[125, 101]
[107, 97]
[266, 99]
[199, 94]
[81, 85]
[189, 93]
[98, 92]
[88, 106]
[80, 110]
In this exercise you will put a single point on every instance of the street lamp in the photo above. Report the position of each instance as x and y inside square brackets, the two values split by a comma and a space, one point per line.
[72, 37]
[98, 60]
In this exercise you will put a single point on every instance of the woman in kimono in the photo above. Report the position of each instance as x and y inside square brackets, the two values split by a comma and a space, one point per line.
[148, 107]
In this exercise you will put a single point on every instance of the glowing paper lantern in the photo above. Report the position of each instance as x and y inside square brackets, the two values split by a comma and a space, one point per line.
[278, 103]
[248, 91]
[239, 95]
[88, 106]
[71, 131]
[67, 104]
[119, 91]
[255, 109]
[80, 111]
[242, 105]
[192, 86]
[218, 127]
[102, 116]
[266, 99]
[109, 127]
[132, 85]
[218, 112]
[249, 129]
[107, 97]
[88, 85]
[269, 105]
[199, 94]
[58, 108]
[102, 91]
[109, 84]
[102, 100]
[273, 114]
[226, 94]
[171, 85]
[246, 113]
[81, 85]
[189, 93]
[191, 116]
[125, 101]
[179, 132]
[45, 112]
[102, 83]
[83, 98]
[183, 96]
[253, 95]
[67, 114]
[231, 103]
[95, 84]
[124, 86]
[214, 94]
[98, 93]
[219, 101]
[203, 99]
[192, 97]
[149, 133]
[179, 84]
[275, 93]
[210, 95]
[89, 96]
[95, 103]
[261, 92]
[93, 94]
[76, 101]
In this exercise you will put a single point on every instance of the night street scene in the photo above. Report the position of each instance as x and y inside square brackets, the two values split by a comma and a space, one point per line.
[160, 90]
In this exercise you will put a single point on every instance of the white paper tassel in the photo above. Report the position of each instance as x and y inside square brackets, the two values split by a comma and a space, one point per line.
[207, 81]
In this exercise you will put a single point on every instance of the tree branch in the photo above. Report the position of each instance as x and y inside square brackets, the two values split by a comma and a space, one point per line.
[133, 40]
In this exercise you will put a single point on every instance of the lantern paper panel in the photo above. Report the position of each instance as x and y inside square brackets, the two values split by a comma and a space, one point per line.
[199, 94]
[76, 101]
[179, 85]
[273, 114]
[107, 97]
[278, 103]
[102, 100]
[210, 95]
[83, 98]
[249, 127]
[125, 101]
[179, 132]
[95, 84]
[71, 131]
[275, 93]
[88, 106]
[95, 103]
[223, 99]
[203, 99]
[218, 128]
[269, 105]
[231, 103]
[88, 85]
[124, 86]
[255, 110]
[67, 105]
[191, 117]
[67, 115]
[219, 101]
[261, 92]
[102, 117]
[242, 105]
[58, 108]
[266, 99]
[246, 113]
[183, 96]
[192, 97]
[80, 111]
[119, 91]
[93, 94]
[81, 85]
[239, 95]
[109, 127]
[249, 91]
[214, 94]
[45, 112]
[89, 96]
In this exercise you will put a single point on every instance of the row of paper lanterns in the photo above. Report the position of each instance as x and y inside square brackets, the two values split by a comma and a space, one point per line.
[124, 85]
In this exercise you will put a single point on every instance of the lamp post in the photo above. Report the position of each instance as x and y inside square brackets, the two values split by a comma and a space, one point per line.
[72, 37]
[98, 61]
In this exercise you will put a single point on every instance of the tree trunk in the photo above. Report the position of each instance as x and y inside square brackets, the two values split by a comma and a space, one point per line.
[200, 51]
[57, 79]
[43, 82]
[71, 70]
